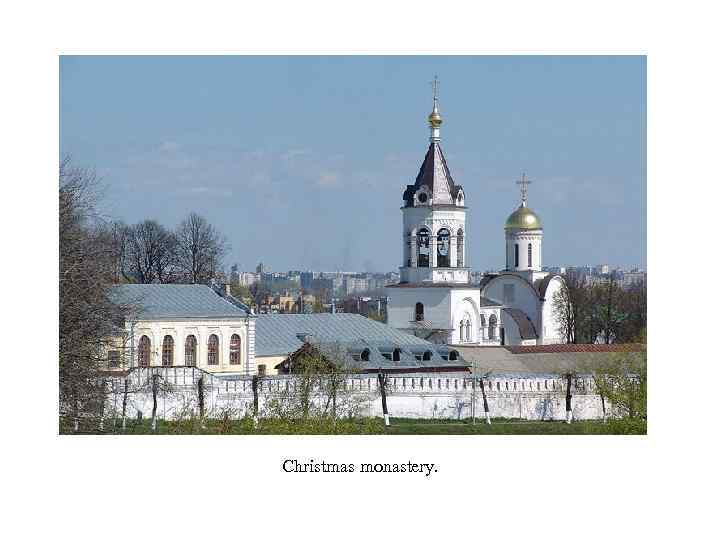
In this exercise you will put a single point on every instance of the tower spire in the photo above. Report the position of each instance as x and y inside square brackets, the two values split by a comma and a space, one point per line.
[434, 119]
[523, 183]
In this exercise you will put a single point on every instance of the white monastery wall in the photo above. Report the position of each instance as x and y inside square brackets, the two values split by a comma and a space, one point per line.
[411, 396]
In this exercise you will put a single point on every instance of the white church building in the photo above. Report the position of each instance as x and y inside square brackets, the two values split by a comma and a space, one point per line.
[435, 299]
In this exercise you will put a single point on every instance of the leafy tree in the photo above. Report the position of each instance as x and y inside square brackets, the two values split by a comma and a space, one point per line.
[622, 380]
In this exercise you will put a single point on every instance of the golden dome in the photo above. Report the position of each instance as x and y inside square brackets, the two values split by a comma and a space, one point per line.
[434, 119]
[523, 218]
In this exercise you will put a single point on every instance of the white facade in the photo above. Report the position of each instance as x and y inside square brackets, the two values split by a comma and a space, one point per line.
[523, 250]
[201, 330]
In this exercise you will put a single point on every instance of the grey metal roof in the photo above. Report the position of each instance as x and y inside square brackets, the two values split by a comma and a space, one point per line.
[524, 324]
[166, 301]
[500, 360]
[277, 335]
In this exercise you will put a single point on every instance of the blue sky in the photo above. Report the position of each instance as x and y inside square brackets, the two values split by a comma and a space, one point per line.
[301, 161]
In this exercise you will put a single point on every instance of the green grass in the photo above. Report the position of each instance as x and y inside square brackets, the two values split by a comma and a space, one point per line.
[372, 426]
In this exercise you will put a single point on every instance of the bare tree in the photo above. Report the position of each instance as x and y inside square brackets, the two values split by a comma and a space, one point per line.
[200, 249]
[148, 251]
[570, 307]
[89, 320]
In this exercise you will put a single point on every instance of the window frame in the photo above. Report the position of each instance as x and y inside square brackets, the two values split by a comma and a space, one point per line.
[235, 350]
[213, 348]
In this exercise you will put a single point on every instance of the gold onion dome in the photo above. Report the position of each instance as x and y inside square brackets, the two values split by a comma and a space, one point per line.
[523, 218]
[434, 118]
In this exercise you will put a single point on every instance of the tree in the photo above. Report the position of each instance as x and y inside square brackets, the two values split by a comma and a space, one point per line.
[89, 321]
[148, 252]
[200, 249]
[607, 314]
[622, 380]
[320, 389]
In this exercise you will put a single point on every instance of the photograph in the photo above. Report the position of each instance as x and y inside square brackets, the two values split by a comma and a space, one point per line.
[352, 244]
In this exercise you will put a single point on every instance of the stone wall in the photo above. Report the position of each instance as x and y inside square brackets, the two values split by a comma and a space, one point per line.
[412, 396]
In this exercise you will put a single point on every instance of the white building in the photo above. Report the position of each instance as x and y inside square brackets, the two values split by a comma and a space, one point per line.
[435, 298]
[185, 325]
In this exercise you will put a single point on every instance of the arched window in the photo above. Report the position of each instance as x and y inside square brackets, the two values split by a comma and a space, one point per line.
[235, 344]
[212, 353]
[426, 356]
[396, 355]
[168, 350]
[190, 351]
[144, 352]
[460, 249]
[419, 312]
[443, 248]
[365, 355]
[517, 255]
[453, 355]
[423, 248]
[492, 326]
[529, 255]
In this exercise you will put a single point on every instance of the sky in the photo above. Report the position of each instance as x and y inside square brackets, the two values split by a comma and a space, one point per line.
[301, 161]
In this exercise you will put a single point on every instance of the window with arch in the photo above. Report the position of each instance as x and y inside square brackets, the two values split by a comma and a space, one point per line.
[419, 312]
[529, 254]
[235, 347]
[517, 255]
[492, 325]
[396, 355]
[443, 248]
[212, 351]
[144, 352]
[168, 349]
[190, 351]
[465, 328]
[426, 356]
[423, 248]
[460, 248]
[365, 355]
[453, 355]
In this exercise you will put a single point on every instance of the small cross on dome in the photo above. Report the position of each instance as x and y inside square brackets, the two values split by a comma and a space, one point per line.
[523, 183]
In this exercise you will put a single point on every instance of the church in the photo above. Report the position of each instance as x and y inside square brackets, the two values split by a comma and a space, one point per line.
[435, 298]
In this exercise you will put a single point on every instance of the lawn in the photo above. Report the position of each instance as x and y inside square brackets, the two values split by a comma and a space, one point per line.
[374, 426]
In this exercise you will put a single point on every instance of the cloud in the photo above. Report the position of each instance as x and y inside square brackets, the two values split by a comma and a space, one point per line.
[293, 154]
[327, 180]
[169, 146]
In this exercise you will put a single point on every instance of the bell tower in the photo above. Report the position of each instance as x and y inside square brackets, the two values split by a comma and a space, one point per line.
[434, 237]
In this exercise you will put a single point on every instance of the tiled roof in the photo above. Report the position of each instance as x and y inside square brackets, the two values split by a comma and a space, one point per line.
[578, 348]
[165, 301]
[277, 335]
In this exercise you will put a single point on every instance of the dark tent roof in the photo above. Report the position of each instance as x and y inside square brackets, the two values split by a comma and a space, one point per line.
[435, 176]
